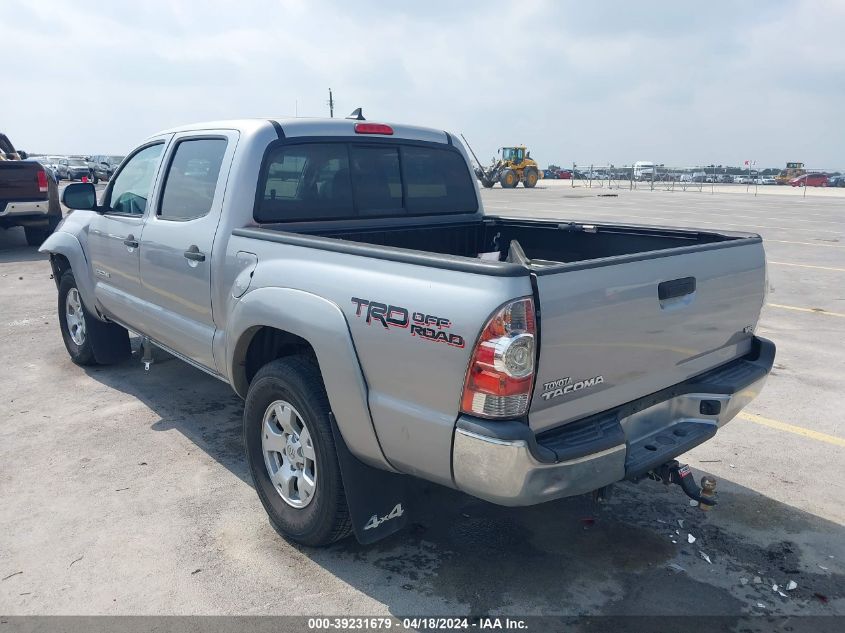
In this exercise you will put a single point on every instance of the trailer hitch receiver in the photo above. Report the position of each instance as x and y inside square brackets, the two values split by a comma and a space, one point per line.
[674, 472]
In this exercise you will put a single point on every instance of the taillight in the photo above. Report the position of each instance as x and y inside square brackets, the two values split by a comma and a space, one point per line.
[373, 128]
[42, 181]
[501, 371]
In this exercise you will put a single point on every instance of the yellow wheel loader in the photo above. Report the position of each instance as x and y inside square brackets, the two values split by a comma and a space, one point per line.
[513, 166]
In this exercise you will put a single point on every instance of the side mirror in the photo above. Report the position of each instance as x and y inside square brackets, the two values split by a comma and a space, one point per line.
[80, 196]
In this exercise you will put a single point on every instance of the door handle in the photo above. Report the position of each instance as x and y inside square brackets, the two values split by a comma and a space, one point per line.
[193, 253]
[130, 241]
[675, 288]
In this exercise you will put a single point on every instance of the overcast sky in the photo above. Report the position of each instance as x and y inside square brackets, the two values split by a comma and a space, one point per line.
[679, 83]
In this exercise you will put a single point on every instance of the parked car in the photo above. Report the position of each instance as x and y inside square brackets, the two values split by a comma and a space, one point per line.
[564, 174]
[363, 353]
[53, 163]
[836, 181]
[44, 161]
[72, 169]
[768, 180]
[29, 195]
[550, 174]
[102, 166]
[810, 180]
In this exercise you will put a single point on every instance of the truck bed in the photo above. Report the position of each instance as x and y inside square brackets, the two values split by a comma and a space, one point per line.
[543, 242]
[624, 311]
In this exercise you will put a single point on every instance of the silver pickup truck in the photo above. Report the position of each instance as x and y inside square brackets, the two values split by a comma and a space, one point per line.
[343, 278]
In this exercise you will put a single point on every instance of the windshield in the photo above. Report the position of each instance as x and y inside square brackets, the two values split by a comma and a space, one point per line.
[512, 153]
[77, 162]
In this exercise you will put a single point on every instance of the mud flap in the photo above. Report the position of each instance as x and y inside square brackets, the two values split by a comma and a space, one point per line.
[110, 342]
[377, 499]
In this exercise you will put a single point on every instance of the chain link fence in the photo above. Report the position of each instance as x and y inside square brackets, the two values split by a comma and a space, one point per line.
[702, 178]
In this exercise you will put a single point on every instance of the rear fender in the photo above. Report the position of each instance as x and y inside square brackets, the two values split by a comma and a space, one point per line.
[323, 325]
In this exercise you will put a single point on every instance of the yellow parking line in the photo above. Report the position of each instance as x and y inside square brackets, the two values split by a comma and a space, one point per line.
[805, 243]
[791, 428]
[813, 310]
[838, 270]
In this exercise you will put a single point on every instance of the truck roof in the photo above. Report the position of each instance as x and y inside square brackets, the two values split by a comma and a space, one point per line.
[299, 127]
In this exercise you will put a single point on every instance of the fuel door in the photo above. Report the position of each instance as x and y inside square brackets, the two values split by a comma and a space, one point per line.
[246, 263]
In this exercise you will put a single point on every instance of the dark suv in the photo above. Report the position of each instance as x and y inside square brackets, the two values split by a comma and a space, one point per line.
[102, 166]
[72, 169]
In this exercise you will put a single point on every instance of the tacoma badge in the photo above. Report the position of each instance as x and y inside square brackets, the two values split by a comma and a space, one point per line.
[565, 386]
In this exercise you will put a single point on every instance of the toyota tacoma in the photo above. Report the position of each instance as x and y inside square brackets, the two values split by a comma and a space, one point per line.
[343, 277]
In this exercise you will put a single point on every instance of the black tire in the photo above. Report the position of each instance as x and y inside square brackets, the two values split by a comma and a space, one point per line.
[297, 380]
[487, 184]
[103, 343]
[79, 354]
[95, 179]
[530, 178]
[35, 235]
[508, 179]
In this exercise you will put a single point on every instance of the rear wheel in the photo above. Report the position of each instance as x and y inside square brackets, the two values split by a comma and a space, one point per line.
[530, 178]
[291, 452]
[508, 179]
[35, 235]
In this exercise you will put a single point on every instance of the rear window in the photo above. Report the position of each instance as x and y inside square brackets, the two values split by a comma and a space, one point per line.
[436, 182]
[324, 181]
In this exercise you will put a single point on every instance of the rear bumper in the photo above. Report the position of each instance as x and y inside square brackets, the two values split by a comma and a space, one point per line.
[506, 463]
[29, 207]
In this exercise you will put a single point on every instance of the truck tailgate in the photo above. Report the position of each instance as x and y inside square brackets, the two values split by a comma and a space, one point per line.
[617, 329]
[19, 182]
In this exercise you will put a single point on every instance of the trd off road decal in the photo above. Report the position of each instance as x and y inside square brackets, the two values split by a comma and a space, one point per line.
[425, 326]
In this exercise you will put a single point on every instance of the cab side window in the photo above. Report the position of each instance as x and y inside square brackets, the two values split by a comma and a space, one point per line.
[131, 188]
[192, 179]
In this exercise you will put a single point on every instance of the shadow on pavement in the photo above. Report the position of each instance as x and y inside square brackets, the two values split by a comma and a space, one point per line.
[569, 557]
[13, 247]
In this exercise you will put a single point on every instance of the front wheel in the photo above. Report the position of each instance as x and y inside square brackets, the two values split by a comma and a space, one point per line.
[73, 321]
[508, 179]
[291, 452]
[88, 340]
[530, 179]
